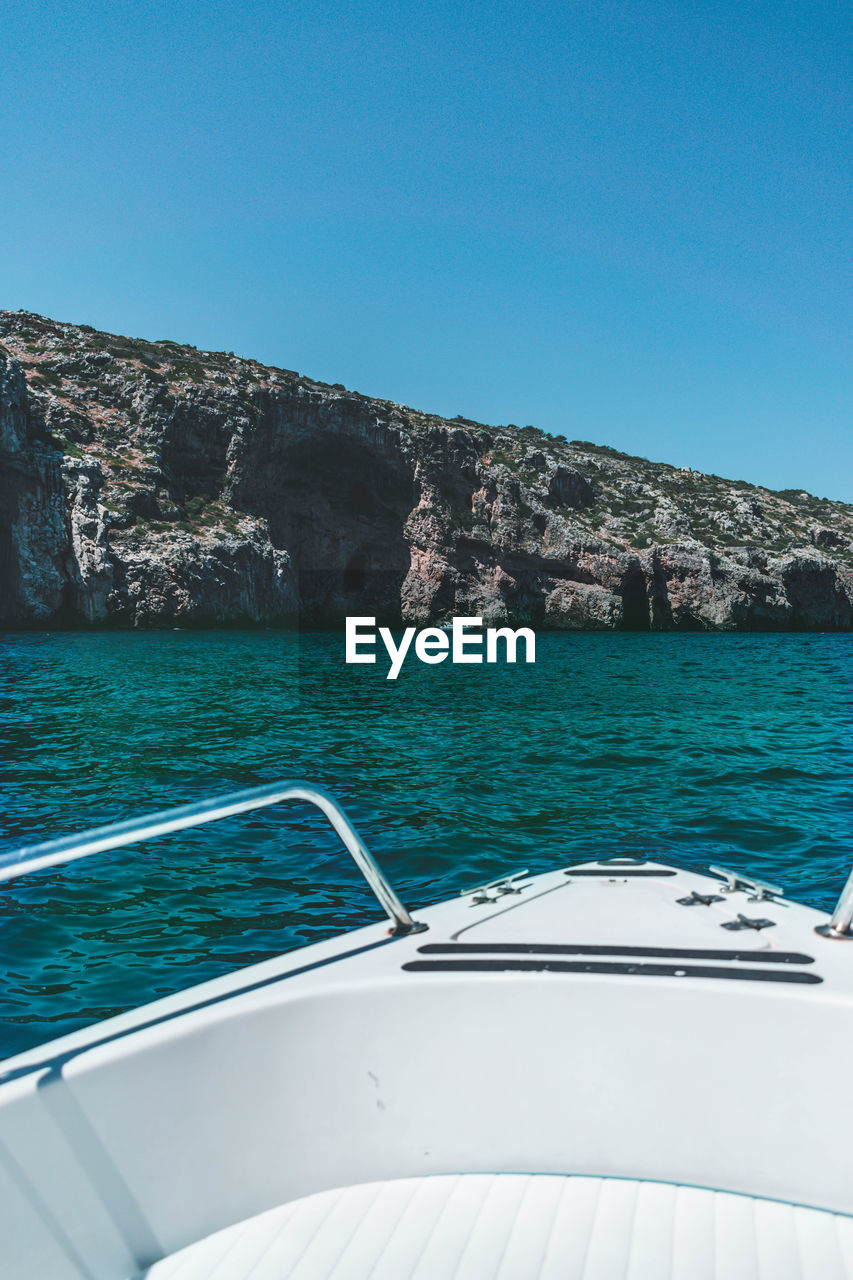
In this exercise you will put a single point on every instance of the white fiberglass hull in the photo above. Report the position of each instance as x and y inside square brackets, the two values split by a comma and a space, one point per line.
[594, 1032]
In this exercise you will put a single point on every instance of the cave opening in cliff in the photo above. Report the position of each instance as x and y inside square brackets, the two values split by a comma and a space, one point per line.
[355, 574]
[67, 614]
[635, 601]
[360, 501]
[8, 575]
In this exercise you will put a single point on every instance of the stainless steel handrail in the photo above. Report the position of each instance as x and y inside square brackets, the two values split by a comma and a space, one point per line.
[22, 862]
[842, 916]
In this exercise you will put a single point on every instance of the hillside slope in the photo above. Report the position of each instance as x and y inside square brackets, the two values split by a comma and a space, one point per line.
[151, 484]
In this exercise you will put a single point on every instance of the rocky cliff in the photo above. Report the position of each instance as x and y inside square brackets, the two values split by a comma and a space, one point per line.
[152, 484]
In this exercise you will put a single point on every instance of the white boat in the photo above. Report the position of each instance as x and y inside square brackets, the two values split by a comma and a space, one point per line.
[617, 1070]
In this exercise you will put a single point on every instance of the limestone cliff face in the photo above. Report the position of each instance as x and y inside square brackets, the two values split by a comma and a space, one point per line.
[148, 484]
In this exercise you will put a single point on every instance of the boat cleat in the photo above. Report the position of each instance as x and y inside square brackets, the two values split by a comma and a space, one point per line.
[761, 890]
[498, 888]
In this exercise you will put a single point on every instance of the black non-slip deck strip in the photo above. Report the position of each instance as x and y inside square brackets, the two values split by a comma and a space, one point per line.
[578, 949]
[615, 872]
[614, 967]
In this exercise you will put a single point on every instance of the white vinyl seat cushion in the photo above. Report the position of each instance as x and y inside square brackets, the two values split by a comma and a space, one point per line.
[523, 1227]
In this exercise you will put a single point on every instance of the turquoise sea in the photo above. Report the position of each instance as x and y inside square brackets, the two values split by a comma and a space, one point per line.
[734, 749]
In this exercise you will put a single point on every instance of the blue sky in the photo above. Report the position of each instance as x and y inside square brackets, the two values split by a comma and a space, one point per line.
[626, 222]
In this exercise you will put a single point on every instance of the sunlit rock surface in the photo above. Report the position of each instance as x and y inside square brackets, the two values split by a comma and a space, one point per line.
[151, 484]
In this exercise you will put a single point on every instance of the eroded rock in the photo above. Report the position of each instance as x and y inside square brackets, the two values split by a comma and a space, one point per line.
[149, 484]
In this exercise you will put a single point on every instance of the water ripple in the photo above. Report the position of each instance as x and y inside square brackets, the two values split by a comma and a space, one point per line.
[727, 749]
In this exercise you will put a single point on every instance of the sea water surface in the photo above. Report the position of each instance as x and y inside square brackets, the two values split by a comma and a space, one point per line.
[734, 749]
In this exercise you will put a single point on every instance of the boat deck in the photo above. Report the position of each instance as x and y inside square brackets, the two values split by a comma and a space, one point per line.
[534, 1085]
[523, 1227]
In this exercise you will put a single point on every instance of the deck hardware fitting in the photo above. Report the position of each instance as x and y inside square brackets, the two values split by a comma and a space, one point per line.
[696, 898]
[735, 882]
[501, 886]
[748, 922]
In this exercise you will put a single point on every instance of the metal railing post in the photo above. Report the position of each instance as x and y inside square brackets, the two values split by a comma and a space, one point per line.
[842, 916]
[22, 862]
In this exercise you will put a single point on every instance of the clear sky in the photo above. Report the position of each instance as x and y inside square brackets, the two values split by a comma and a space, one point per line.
[628, 222]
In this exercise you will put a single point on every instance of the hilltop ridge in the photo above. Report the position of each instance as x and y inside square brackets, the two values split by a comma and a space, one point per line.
[148, 483]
